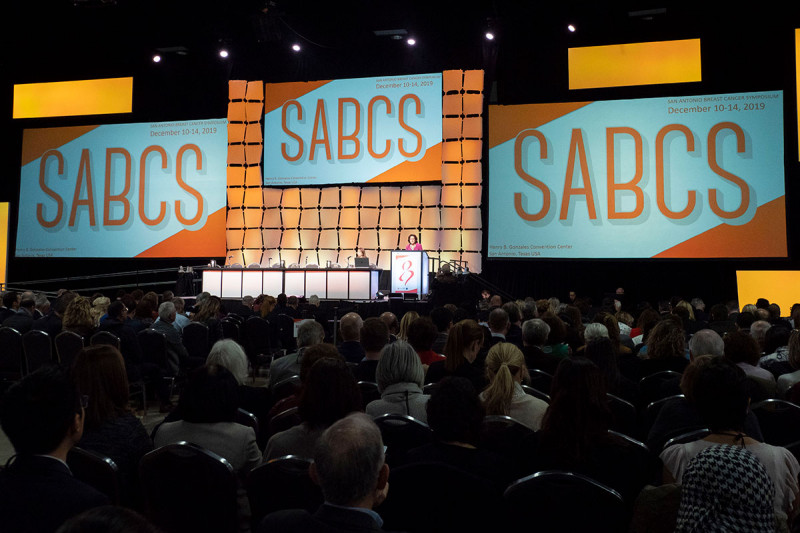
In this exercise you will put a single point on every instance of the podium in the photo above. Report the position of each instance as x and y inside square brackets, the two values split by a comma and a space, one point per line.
[410, 272]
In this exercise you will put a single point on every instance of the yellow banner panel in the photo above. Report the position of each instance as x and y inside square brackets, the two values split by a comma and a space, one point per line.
[3, 241]
[635, 64]
[72, 98]
[780, 287]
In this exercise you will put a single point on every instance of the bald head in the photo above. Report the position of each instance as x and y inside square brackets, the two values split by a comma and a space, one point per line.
[390, 319]
[350, 326]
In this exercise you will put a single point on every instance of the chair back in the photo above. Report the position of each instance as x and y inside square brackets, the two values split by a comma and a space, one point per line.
[230, 329]
[284, 420]
[154, 346]
[658, 385]
[566, 501]
[105, 337]
[504, 435]
[282, 483]
[435, 497]
[38, 349]
[779, 421]
[689, 436]
[369, 392]
[257, 334]
[11, 354]
[96, 470]
[402, 433]
[285, 388]
[188, 488]
[536, 393]
[68, 344]
[540, 380]
[285, 331]
[246, 418]
[623, 415]
[195, 339]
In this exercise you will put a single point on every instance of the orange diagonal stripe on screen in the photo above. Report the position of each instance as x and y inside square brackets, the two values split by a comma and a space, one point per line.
[429, 168]
[36, 142]
[208, 241]
[505, 122]
[764, 236]
[276, 94]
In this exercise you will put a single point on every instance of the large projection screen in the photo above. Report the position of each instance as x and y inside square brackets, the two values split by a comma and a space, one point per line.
[124, 190]
[680, 177]
[374, 130]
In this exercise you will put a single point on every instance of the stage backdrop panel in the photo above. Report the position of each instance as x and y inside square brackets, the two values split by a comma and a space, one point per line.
[317, 224]
[361, 130]
[124, 190]
[686, 177]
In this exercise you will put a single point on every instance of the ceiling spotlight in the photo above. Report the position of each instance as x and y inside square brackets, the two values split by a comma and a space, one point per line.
[156, 58]
[223, 53]
[411, 42]
[489, 36]
[296, 47]
[571, 28]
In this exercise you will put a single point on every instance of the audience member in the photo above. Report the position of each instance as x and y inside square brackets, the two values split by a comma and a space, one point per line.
[742, 349]
[108, 519]
[177, 354]
[374, 336]
[505, 370]
[43, 417]
[399, 376]
[787, 381]
[421, 335]
[534, 336]
[390, 319]
[443, 320]
[464, 342]
[350, 330]
[78, 318]
[22, 320]
[308, 334]
[405, 322]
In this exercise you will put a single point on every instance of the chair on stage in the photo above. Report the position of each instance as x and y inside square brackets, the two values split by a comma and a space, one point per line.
[282, 483]
[68, 344]
[188, 489]
[37, 349]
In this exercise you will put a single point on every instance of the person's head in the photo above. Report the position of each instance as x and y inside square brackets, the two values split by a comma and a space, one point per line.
[117, 310]
[313, 300]
[612, 326]
[350, 326]
[399, 363]
[211, 395]
[268, 304]
[314, 353]
[495, 301]
[390, 319]
[247, 301]
[595, 331]
[61, 303]
[535, 332]
[758, 330]
[42, 413]
[11, 299]
[179, 304]
[412, 239]
[166, 312]
[683, 304]
[360, 252]
[690, 373]
[455, 412]
[706, 342]
[78, 314]
[349, 464]
[558, 330]
[108, 519]
[463, 344]
[578, 414]
[229, 354]
[374, 335]
[720, 394]
[405, 322]
[330, 392]
[498, 321]
[505, 367]
[422, 334]
[602, 353]
[745, 319]
[209, 308]
[29, 304]
[291, 301]
[310, 333]
[666, 339]
[442, 318]
[42, 303]
[740, 347]
[99, 373]
[512, 309]
[144, 309]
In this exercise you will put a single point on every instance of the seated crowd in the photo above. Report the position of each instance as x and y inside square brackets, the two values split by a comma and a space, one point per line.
[649, 405]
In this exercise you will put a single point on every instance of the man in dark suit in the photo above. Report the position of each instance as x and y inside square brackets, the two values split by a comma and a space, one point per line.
[43, 417]
[349, 466]
[10, 305]
[22, 320]
[350, 347]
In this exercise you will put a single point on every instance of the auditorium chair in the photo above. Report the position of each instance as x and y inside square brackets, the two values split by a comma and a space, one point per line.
[285, 332]
[779, 421]
[284, 420]
[258, 344]
[689, 436]
[282, 483]
[246, 418]
[540, 380]
[402, 433]
[557, 501]
[68, 344]
[105, 337]
[436, 497]
[285, 388]
[154, 350]
[230, 329]
[536, 393]
[37, 349]
[623, 415]
[11, 355]
[659, 385]
[188, 489]
[195, 339]
[369, 392]
[504, 435]
[96, 470]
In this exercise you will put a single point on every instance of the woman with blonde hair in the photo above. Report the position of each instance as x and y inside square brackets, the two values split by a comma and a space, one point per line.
[505, 368]
[78, 318]
[408, 318]
[99, 308]
[464, 342]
